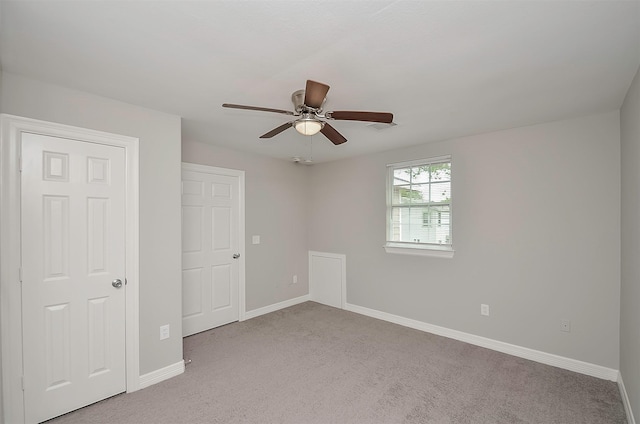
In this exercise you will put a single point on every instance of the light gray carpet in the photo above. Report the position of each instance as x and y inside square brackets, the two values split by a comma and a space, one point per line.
[315, 364]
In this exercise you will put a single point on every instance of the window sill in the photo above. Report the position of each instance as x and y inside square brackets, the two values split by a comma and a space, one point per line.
[433, 251]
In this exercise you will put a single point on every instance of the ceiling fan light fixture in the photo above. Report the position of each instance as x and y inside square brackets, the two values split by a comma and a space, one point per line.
[308, 126]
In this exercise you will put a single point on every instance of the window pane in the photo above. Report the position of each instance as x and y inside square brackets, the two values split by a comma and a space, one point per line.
[420, 174]
[443, 214]
[401, 176]
[440, 172]
[402, 195]
[420, 193]
[421, 224]
[441, 192]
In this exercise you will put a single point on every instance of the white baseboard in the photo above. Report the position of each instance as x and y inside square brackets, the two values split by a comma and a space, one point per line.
[162, 374]
[521, 352]
[276, 307]
[625, 400]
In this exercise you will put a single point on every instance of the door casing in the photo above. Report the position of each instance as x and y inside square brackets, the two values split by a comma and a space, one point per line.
[11, 128]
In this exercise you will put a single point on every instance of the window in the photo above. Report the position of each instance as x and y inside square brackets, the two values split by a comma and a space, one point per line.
[419, 207]
[426, 221]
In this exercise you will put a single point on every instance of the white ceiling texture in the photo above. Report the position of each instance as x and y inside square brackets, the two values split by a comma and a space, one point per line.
[444, 68]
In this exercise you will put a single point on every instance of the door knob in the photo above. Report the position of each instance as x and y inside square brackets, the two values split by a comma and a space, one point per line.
[236, 255]
[117, 283]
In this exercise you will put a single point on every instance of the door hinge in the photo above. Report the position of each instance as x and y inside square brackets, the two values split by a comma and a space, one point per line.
[20, 274]
[22, 383]
[20, 163]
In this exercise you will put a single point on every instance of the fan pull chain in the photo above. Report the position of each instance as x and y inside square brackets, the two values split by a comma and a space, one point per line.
[310, 160]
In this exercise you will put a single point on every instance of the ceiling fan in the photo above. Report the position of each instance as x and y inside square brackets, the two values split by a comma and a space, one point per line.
[311, 119]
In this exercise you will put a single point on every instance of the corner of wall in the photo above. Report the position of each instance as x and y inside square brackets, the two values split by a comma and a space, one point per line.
[629, 251]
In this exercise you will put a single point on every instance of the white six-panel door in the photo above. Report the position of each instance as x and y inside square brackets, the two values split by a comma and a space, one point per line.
[210, 240]
[73, 248]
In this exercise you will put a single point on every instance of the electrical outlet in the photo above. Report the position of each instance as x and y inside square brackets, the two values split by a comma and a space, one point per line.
[164, 332]
[295, 279]
[484, 310]
[565, 325]
[255, 239]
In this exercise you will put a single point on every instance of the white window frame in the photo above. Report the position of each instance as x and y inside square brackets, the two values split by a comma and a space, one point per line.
[407, 248]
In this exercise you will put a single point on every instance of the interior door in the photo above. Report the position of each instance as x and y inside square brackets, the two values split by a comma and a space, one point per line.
[73, 254]
[210, 250]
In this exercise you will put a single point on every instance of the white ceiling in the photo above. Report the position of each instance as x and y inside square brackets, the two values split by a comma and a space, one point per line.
[444, 68]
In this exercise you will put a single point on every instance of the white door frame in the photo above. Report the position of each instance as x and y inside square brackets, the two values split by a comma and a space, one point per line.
[10, 262]
[241, 244]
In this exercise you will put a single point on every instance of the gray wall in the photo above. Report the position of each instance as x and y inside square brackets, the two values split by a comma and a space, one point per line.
[276, 197]
[630, 289]
[536, 230]
[160, 227]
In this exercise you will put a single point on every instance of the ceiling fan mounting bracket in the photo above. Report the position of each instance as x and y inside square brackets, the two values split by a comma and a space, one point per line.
[298, 100]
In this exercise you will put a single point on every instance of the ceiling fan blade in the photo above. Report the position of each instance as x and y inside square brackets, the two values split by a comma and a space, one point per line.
[262, 109]
[278, 130]
[332, 134]
[315, 93]
[351, 115]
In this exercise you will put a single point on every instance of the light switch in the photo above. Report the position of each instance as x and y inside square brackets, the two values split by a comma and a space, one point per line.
[255, 239]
